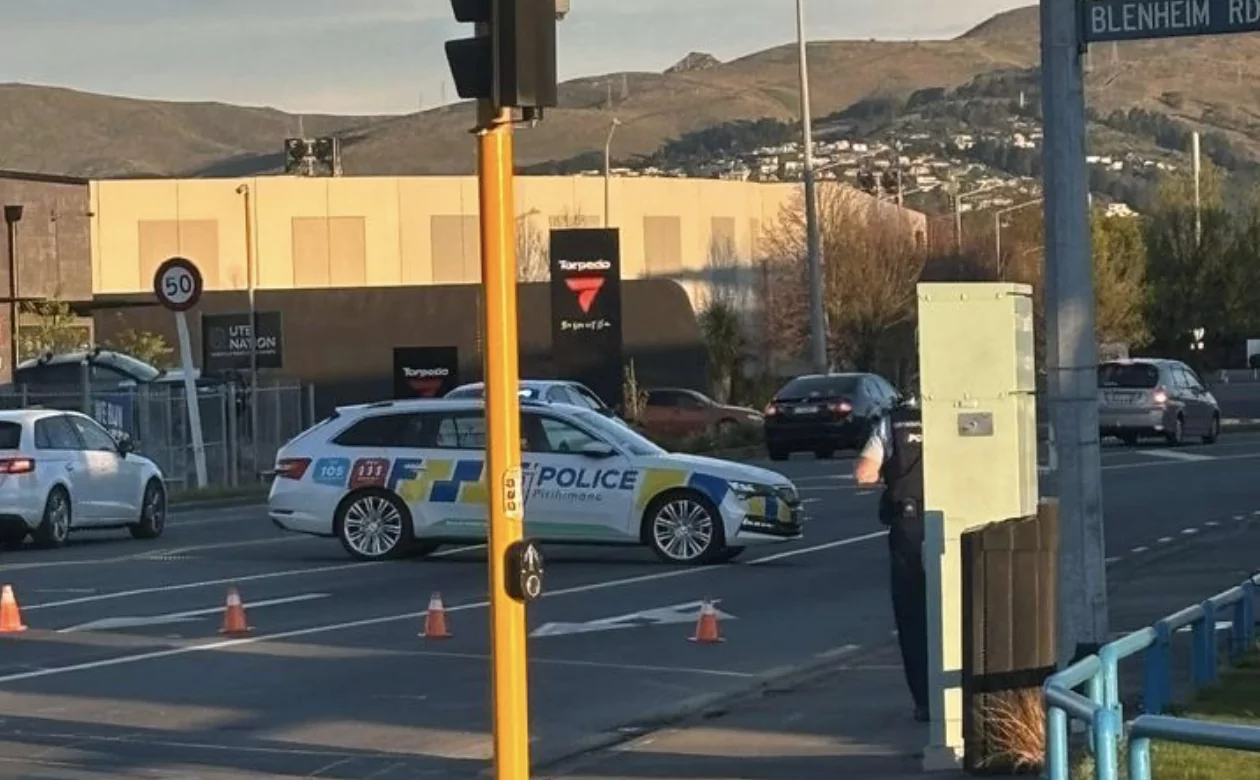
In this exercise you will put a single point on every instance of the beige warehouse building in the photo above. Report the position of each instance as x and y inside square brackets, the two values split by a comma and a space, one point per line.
[387, 231]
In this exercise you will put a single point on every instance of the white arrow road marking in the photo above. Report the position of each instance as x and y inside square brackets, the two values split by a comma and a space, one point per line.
[661, 616]
[108, 624]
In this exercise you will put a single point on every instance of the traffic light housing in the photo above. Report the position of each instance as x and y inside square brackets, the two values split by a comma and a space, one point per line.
[511, 61]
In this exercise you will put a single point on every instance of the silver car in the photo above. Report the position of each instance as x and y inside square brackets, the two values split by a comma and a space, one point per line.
[1154, 397]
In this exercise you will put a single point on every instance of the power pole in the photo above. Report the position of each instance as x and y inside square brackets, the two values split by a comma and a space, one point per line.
[813, 239]
[1071, 352]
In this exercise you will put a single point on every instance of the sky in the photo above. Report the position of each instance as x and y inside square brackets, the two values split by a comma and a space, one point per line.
[386, 56]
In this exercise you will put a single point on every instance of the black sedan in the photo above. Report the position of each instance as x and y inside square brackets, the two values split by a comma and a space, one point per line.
[822, 413]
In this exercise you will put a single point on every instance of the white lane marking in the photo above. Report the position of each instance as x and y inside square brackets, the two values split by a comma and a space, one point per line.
[1221, 625]
[1112, 560]
[823, 478]
[1188, 457]
[154, 554]
[1139, 549]
[816, 548]
[107, 624]
[123, 594]
[227, 644]
[1164, 539]
[1189, 531]
[1170, 462]
[1211, 523]
[588, 664]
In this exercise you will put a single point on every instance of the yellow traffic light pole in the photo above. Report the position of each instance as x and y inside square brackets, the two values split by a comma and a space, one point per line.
[503, 440]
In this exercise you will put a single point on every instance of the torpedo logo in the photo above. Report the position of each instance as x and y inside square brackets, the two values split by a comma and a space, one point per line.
[587, 290]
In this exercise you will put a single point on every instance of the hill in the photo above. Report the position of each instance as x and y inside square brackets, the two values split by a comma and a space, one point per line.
[1202, 83]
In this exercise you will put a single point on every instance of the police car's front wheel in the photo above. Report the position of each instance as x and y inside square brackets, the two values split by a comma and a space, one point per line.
[374, 525]
[683, 526]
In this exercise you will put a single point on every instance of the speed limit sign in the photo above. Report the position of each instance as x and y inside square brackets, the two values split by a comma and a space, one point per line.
[178, 284]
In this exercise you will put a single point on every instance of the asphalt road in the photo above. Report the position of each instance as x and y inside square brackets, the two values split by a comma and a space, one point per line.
[335, 682]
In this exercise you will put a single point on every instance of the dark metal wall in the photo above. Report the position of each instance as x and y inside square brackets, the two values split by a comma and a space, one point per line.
[53, 244]
[342, 340]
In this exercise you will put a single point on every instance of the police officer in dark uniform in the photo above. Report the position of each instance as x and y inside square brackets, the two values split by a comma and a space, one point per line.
[894, 454]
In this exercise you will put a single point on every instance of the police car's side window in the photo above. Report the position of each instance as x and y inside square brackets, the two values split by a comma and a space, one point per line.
[382, 430]
[461, 432]
[562, 437]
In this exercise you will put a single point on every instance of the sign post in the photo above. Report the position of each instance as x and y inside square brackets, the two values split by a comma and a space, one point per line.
[179, 285]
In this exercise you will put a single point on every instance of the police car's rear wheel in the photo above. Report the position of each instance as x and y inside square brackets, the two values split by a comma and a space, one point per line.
[684, 527]
[374, 525]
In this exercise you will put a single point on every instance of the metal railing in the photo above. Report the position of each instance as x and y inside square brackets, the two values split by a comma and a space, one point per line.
[155, 417]
[1100, 707]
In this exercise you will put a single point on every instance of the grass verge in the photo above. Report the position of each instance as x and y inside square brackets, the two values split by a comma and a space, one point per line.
[1234, 699]
[195, 495]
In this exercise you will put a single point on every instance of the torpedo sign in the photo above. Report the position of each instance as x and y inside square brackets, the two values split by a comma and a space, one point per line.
[524, 581]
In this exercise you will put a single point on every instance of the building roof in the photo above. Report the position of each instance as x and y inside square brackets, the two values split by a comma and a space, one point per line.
[44, 178]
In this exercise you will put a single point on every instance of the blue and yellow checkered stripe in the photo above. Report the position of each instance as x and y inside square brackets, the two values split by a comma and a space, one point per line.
[657, 481]
[447, 482]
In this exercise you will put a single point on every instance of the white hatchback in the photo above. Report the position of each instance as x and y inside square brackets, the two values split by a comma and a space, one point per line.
[405, 477]
[61, 471]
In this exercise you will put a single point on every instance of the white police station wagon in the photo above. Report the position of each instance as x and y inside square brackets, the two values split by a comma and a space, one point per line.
[401, 478]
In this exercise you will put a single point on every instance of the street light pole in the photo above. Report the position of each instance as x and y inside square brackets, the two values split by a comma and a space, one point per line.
[12, 216]
[997, 229]
[612, 129]
[253, 321]
[817, 316]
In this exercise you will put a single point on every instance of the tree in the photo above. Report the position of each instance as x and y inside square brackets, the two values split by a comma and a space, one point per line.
[55, 328]
[1193, 282]
[1120, 288]
[872, 263]
[533, 245]
[723, 332]
[143, 345]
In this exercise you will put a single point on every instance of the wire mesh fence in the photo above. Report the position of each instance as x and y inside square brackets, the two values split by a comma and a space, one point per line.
[155, 417]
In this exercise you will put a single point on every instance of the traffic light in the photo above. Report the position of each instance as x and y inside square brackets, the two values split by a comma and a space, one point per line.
[511, 61]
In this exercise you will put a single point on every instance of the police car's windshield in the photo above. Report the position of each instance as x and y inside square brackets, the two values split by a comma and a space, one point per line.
[620, 433]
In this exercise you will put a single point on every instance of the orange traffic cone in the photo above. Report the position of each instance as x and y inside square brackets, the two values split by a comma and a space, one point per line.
[435, 619]
[234, 615]
[707, 625]
[10, 615]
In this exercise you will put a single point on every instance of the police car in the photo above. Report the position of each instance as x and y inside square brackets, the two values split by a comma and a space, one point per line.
[400, 478]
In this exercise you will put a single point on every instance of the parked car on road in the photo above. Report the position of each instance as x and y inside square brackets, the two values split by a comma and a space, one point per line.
[1148, 397]
[671, 411]
[555, 391]
[401, 478]
[61, 471]
[822, 413]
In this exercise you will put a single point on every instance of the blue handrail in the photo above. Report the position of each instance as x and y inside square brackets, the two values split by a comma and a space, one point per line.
[1101, 709]
[1195, 732]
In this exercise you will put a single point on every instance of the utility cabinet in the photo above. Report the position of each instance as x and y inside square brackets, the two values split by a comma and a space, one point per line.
[977, 385]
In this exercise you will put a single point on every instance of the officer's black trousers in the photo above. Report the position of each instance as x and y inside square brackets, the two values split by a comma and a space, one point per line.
[909, 595]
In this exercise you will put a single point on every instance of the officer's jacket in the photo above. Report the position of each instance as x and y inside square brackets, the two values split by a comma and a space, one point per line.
[903, 466]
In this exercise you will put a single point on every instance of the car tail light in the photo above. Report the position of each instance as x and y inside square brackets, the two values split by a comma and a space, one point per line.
[1161, 395]
[840, 407]
[292, 468]
[16, 465]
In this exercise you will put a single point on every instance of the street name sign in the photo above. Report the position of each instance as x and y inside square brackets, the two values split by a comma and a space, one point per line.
[1135, 20]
